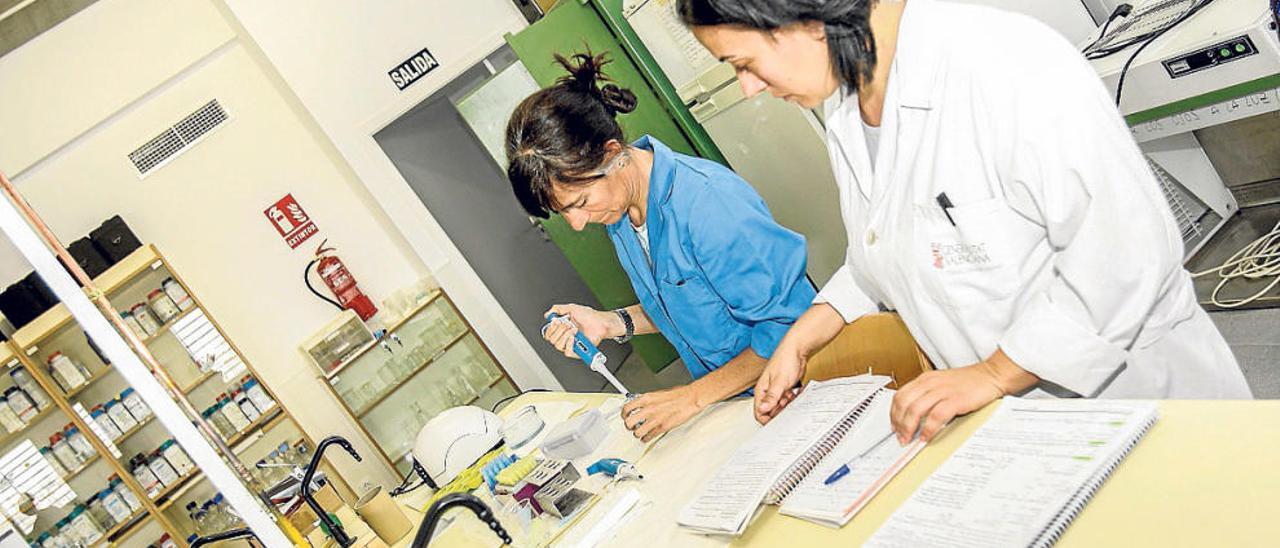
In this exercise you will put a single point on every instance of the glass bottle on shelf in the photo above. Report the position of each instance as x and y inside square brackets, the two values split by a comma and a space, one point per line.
[9, 420]
[233, 413]
[162, 469]
[99, 512]
[86, 529]
[162, 306]
[242, 401]
[105, 424]
[133, 402]
[257, 394]
[20, 403]
[69, 374]
[126, 494]
[145, 477]
[132, 323]
[115, 505]
[145, 319]
[177, 458]
[119, 415]
[22, 379]
[176, 292]
[56, 465]
[63, 452]
[219, 421]
[79, 443]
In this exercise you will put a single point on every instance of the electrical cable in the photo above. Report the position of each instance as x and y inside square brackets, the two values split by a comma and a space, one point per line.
[1111, 49]
[514, 396]
[306, 279]
[1124, 71]
[1123, 10]
[1255, 261]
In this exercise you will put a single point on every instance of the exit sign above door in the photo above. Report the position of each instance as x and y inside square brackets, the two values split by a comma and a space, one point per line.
[413, 69]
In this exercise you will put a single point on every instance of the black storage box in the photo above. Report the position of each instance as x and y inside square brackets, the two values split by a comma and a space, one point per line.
[88, 257]
[114, 239]
[26, 300]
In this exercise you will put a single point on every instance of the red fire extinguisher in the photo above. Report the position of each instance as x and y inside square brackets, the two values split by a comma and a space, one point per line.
[339, 281]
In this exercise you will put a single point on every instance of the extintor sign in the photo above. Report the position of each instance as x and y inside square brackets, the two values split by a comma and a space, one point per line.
[291, 221]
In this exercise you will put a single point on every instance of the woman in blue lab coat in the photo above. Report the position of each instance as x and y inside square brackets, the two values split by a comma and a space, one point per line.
[714, 273]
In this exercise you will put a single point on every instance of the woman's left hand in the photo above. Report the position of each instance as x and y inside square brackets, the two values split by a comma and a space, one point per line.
[653, 414]
[934, 398]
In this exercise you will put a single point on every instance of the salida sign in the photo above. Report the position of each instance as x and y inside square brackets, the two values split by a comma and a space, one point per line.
[413, 69]
[293, 224]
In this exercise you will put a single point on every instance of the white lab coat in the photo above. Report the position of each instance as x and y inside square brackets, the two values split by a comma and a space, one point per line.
[1063, 251]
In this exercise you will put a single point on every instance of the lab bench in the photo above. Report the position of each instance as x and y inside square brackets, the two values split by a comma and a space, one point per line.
[1203, 476]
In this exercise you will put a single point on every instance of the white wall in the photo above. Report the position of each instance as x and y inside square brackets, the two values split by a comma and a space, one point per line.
[1069, 17]
[334, 55]
[66, 152]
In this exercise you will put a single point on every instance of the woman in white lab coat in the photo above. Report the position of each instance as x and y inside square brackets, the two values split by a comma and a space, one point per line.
[992, 196]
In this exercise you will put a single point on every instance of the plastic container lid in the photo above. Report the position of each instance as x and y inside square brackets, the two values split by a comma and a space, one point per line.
[75, 512]
[45, 450]
[167, 444]
[576, 437]
[43, 537]
[137, 306]
[110, 404]
[250, 383]
[72, 430]
[153, 294]
[10, 390]
[103, 493]
[125, 393]
[53, 356]
[97, 413]
[126, 314]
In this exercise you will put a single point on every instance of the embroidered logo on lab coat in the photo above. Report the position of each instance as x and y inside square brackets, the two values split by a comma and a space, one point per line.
[957, 255]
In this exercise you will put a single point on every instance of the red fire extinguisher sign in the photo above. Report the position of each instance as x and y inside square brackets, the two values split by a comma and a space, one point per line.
[293, 224]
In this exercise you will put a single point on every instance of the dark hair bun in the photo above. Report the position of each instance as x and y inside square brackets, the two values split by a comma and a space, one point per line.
[585, 76]
[619, 100]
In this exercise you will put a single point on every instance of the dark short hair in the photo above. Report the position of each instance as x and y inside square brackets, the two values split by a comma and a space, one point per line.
[559, 133]
[847, 25]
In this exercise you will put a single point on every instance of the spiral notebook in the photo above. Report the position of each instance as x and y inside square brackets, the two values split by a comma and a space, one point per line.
[779, 456]
[1022, 477]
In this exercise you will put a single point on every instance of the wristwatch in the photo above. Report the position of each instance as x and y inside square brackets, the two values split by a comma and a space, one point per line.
[628, 323]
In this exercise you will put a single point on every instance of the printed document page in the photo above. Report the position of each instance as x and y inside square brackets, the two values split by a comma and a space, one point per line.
[1017, 473]
[731, 497]
[873, 456]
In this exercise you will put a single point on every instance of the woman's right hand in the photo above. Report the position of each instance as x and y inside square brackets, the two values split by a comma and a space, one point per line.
[776, 386]
[595, 324]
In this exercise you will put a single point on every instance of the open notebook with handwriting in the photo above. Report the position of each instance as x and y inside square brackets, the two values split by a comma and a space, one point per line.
[787, 461]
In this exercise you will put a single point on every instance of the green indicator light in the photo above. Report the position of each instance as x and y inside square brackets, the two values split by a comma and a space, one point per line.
[1240, 48]
[1224, 52]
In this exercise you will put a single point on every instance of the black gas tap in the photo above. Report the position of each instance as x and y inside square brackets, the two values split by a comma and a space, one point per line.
[335, 530]
[243, 532]
[470, 502]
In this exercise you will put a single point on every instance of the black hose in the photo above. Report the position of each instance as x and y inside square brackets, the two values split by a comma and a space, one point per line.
[306, 279]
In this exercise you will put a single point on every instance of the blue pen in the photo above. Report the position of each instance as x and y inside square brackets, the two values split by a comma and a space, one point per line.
[843, 470]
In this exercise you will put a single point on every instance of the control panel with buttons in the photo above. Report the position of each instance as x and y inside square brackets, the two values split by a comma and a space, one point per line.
[1212, 56]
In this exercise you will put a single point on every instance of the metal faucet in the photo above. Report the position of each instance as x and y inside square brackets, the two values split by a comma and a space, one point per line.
[243, 532]
[428, 526]
[335, 530]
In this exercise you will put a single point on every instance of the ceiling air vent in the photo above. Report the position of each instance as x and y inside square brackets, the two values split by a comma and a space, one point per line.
[178, 138]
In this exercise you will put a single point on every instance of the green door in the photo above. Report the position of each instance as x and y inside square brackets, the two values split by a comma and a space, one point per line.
[568, 28]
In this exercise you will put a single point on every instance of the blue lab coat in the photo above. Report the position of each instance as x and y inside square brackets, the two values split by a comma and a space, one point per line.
[724, 275]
